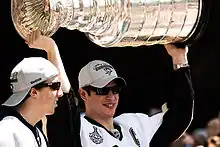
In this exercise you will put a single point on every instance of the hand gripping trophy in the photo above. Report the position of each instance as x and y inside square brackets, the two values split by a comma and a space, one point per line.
[112, 23]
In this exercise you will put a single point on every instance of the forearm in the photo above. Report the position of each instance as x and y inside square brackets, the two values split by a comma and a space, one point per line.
[54, 57]
[181, 105]
[180, 110]
[39, 41]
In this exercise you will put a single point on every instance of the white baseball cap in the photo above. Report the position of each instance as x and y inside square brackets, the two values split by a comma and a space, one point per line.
[98, 73]
[26, 74]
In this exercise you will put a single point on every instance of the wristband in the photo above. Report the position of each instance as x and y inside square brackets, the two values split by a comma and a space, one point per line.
[178, 66]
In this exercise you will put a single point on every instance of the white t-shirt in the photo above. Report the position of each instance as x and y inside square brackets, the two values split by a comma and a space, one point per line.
[13, 133]
[137, 131]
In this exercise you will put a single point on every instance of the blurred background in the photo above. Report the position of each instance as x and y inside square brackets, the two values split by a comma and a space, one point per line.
[145, 68]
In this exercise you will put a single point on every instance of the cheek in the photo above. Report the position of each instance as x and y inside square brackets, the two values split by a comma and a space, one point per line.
[52, 95]
[117, 97]
[48, 97]
[94, 102]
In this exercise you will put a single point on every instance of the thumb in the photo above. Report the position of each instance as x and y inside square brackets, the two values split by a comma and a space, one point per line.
[30, 45]
[168, 46]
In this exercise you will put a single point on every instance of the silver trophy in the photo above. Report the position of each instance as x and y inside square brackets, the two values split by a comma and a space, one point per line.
[111, 23]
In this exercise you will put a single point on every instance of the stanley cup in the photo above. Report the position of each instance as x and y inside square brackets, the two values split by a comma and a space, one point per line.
[111, 23]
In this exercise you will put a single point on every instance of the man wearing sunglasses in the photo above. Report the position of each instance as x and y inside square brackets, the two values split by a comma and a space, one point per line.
[37, 84]
[100, 86]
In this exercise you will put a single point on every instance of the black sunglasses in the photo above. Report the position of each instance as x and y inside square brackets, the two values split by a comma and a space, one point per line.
[104, 90]
[53, 85]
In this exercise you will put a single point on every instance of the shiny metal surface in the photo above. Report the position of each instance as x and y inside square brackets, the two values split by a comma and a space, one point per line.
[111, 22]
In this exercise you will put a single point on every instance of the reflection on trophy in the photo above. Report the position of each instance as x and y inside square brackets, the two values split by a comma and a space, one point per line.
[111, 23]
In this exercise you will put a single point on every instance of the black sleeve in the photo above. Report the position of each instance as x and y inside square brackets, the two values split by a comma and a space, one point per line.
[63, 128]
[180, 110]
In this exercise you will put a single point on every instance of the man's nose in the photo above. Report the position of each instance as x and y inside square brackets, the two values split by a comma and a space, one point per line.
[60, 93]
[111, 95]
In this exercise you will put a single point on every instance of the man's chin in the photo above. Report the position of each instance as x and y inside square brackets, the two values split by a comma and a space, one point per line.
[110, 114]
[50, 113]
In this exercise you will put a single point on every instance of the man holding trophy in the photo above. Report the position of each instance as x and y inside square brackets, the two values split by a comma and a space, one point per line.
[100, 86]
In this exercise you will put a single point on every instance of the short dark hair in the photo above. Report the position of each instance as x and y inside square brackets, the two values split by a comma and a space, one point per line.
[87, 89]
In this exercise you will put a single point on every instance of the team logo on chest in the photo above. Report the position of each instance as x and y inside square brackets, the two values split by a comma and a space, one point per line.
[95, 136]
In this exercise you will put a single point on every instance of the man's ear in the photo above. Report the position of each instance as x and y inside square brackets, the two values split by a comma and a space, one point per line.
[83, 94]
[33, 92]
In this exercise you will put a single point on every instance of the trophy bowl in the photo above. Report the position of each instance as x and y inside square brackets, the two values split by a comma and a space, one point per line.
[110, 23]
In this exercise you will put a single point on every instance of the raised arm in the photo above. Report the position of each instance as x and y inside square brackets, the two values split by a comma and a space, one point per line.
[48, 44]
[181, 105]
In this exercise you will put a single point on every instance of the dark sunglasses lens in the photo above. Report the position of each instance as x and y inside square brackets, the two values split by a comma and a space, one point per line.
[116, 90]
[55, 85]
[105, 90]
[102, 91]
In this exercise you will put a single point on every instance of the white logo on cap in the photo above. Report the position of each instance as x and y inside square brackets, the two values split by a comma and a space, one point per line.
[106, 67]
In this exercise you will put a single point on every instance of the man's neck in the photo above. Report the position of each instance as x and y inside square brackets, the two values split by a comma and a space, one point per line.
[30, 115]
[104, 121]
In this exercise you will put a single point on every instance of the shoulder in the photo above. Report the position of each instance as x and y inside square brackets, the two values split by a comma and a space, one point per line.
[132, 117]
[7, 127]
[137, 118]
[136, 115]
[8, 121]
[11, 123]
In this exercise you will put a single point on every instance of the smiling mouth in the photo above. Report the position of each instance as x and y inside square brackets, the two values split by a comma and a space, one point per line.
[110, 106]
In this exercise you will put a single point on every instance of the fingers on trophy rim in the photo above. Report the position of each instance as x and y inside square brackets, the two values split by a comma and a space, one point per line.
[32, 36]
